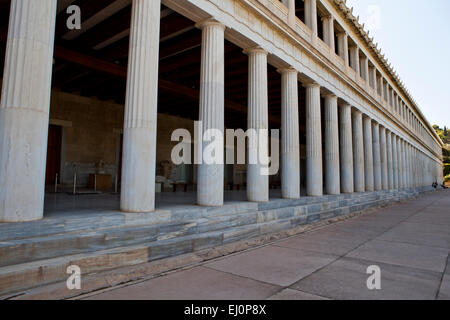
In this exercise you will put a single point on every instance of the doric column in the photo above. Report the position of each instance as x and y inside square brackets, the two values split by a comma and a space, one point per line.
[314, 174]
[400, 163]
[346, 148]
[24, 109]
[290, 140]
[210, 176]
[258, 120]
[395, 161]
[311, 16]
[354, 59]
[408, 160]
[343, 47]
[358, 151]
[140, 123]
[368, 154]
[376, 156]
[383, 158]
[328, 31]
[404, 165]
[332, 170]
[390, 161]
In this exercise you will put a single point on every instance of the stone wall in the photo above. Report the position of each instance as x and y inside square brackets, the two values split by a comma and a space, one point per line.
[91, 133]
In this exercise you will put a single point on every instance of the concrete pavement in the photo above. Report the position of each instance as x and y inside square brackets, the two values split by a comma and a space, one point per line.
[409, 241]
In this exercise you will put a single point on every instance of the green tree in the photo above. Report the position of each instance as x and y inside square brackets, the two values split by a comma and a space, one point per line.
[445, 131]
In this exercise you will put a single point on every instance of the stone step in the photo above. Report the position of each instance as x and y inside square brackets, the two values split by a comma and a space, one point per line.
[42, 260]
[38, 248]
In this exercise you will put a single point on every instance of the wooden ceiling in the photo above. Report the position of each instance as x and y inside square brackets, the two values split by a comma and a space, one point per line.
[93, 62]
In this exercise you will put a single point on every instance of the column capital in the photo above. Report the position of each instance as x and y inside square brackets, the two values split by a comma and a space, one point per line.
[209, 22]
[356, 111]
[345, 104]
[310, 84]
[330, 95]
[287, 70]
[255, 49]
[327, 17]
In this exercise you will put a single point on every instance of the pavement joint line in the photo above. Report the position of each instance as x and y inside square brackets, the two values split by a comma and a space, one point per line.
[442, 278]
[371, 239]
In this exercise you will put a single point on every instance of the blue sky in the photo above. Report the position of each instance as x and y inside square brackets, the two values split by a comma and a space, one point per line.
[415, 36]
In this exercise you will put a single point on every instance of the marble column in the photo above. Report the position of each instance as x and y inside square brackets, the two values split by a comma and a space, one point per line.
[346, 148]
[390, 161]
[395, 161]
[343, 47]
[358, 151]
[400, 163]
[376, 157]
[354, 60]
[311, 15]
[383, 158]
[404, 164]
[290, 140]
[290, 4]
[328, 31]
[368, 154]
[24, 109]
[258, 120]
[373, 78]
[408, 157]
[314, 174]
[365, 69]
[332, 169]
[210, 174]
[140, 123]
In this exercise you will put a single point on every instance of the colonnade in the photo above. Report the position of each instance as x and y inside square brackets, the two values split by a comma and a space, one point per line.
[360, 153]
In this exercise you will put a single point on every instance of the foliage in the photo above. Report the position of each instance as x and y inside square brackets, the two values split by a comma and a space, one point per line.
[445, 137]
[446, 169]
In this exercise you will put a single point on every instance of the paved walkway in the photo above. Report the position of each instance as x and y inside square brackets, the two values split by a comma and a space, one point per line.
[410, 242]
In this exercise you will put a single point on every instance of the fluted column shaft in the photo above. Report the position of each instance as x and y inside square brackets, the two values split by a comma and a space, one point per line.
[383, 159]
[395, 161]
[332, 169]
[24, 109]
[210, 177]
[376, 157]
[368, 154]
[358, 151]
[290, 140]
[400, 163]
[346, 148]
[140, 123]
[390, 161]
[311, 15]
[314, 171]
[258, 119]
[404, 164]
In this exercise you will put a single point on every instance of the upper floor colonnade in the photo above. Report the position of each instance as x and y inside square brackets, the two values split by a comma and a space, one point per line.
[372, 139]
